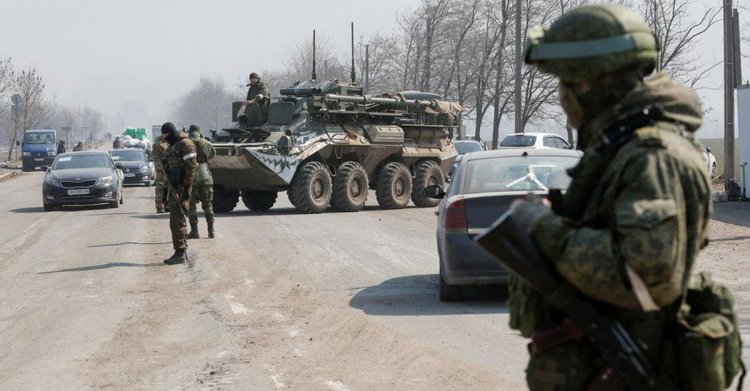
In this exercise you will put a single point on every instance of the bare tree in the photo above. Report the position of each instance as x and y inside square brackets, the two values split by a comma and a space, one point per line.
[35, 109]
[7, 81]
[208, 105]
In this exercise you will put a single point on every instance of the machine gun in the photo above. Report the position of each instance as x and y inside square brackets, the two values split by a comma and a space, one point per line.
[513, 247]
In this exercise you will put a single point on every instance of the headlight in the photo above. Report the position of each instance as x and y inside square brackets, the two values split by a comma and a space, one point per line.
[145, 169]
[27, 154]
[52, 181]
[51, 153]
[104, 181]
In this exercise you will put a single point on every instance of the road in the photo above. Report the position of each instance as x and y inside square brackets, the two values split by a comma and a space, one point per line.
[279, 300]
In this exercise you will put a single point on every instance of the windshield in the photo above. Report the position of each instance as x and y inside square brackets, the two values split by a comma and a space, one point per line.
[518, 141]
[39, 138]
[518, 173]
[78, 160]
[128, 155]
[467, 146]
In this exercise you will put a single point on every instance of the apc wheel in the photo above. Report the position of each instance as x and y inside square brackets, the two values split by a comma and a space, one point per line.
[225, 200]
[449, 292]
[259, 201]
[428, 173]
[350, 188]
[311, 188]
[394, 186]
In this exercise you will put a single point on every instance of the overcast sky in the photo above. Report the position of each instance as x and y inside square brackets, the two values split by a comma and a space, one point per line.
[116, 55]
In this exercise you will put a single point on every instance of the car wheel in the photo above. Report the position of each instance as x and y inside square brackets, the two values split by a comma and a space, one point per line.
[49, 207]
[448, 292]
[148, 183]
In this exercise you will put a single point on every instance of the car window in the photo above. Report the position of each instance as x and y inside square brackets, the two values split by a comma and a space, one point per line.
[550, 142]
[518, 140]
[128, 155]
[467, 146]
[517, 173]
[81, 161]
[562, 143]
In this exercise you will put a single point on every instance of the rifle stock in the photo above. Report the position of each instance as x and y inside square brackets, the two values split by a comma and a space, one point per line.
[513, 247]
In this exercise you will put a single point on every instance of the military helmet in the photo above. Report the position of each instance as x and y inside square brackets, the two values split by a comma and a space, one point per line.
[591, 41]
[194, 131]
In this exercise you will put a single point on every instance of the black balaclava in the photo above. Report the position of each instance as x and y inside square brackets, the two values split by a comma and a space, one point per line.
[169, 131]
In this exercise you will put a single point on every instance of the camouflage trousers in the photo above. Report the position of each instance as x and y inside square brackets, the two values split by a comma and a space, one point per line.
[160, 191]
[178, 209]
[205, 195]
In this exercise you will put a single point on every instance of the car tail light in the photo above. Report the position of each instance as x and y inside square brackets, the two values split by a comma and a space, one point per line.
[455, 215]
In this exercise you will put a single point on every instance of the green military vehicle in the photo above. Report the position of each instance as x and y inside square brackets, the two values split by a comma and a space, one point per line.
[326, 144]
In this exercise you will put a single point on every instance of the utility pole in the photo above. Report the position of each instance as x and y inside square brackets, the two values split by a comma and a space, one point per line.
[519, 63]
[17, 102]
[732, 78]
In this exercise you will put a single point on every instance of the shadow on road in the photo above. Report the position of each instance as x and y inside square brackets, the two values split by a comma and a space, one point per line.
[736, 213]
[418, 295]
[103, 266]
[733, 239]
[66, 208]
[37, 209]
[124, 243]
[160, 216]
[293, 211]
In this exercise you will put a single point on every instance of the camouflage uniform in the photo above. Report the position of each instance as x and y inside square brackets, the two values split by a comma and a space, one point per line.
[180, 156]
[639, 204]
[203, 185]
[160, 186]
[260, 88]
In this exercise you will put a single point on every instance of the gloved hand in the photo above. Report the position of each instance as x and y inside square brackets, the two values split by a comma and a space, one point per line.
[185, 194]
[526, 212]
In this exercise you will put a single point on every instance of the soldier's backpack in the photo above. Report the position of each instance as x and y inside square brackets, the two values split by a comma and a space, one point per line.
[709, 348]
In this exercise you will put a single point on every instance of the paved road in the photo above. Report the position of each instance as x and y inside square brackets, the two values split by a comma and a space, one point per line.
[279, 300]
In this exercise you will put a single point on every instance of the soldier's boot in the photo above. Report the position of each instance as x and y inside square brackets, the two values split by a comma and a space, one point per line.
[211, 233]
[160, 210]
[179, 256]
[194, 232]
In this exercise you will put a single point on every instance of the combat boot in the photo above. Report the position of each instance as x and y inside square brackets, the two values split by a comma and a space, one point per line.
[211, 234]
[179, 256]
[194, 232]
[159, 210]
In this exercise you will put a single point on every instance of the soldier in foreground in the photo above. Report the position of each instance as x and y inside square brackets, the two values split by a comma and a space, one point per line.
[203, 185]
[179, 166]
[158, 150]
[627, 232]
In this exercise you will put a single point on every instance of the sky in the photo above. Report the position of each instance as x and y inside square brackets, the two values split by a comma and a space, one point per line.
[131, 59]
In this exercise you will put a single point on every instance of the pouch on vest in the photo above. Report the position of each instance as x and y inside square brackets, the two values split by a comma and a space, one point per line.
[529, 310]
[203, 174]
[708, 339]
[176, 175]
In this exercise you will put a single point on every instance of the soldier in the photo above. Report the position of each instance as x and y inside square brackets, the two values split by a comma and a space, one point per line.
[257, 93]
[179, 166]
[160, 187]
[203, 185]
[78, 147]
[635, 214]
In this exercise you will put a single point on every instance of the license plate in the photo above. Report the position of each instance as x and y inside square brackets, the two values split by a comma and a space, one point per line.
[78, 191]
[39, 160]
[129, 175]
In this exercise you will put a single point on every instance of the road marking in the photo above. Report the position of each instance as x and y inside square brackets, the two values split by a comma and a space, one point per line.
[237, 308]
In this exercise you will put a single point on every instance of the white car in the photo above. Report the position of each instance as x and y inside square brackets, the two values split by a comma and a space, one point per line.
[534, 140]
[710, 161]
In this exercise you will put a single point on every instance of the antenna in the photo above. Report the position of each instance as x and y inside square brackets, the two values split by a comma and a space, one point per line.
[354, 75]
[314, 76]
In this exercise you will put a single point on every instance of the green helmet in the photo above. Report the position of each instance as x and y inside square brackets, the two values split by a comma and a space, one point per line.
[591, 41]
[194, 131]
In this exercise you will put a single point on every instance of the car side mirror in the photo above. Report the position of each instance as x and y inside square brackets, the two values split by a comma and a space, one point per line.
[708, 149]
[434, 191]
[44, 168]
[118, 166]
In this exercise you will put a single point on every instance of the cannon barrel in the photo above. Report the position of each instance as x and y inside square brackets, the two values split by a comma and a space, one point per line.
[386, 101]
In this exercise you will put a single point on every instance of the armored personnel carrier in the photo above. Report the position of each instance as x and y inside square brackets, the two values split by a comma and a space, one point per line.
[326, 144]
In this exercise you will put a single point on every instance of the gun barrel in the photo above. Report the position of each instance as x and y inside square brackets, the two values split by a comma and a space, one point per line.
[386, 101]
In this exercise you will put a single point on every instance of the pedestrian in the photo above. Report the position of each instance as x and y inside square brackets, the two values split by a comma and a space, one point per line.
[117, 144]
[635, 215]
[179, 166]
[158, 151]
[203, 185]
[61, 147]
[78, 147]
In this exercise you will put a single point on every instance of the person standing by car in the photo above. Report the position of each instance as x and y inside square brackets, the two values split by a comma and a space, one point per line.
[179, 166]
[203, 185]
[117, 144]
[61, 147]
[160, 187]
[78, 147]
[637, 209]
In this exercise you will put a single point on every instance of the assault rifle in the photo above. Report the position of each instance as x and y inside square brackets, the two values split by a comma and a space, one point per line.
[506, 241]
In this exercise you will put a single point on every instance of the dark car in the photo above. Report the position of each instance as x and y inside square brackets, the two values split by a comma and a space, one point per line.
[135, 165]
[78, 178]
[483, 186]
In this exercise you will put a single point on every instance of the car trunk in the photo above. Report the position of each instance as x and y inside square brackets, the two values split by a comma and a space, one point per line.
[484, 208]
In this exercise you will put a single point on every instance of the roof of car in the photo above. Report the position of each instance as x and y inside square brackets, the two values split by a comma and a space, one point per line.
[79, 153]
[523, 151]
[468, 141]
[538, 134]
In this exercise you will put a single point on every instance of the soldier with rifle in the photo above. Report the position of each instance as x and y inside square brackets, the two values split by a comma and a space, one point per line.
[203, 185]
[160, 189]
[598, 280]
[180, 165]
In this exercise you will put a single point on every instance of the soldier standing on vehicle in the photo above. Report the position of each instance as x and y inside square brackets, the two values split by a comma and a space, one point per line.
[635, 215]
[158, 150]
[258, 93]
[179, 166]
[203, 185]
